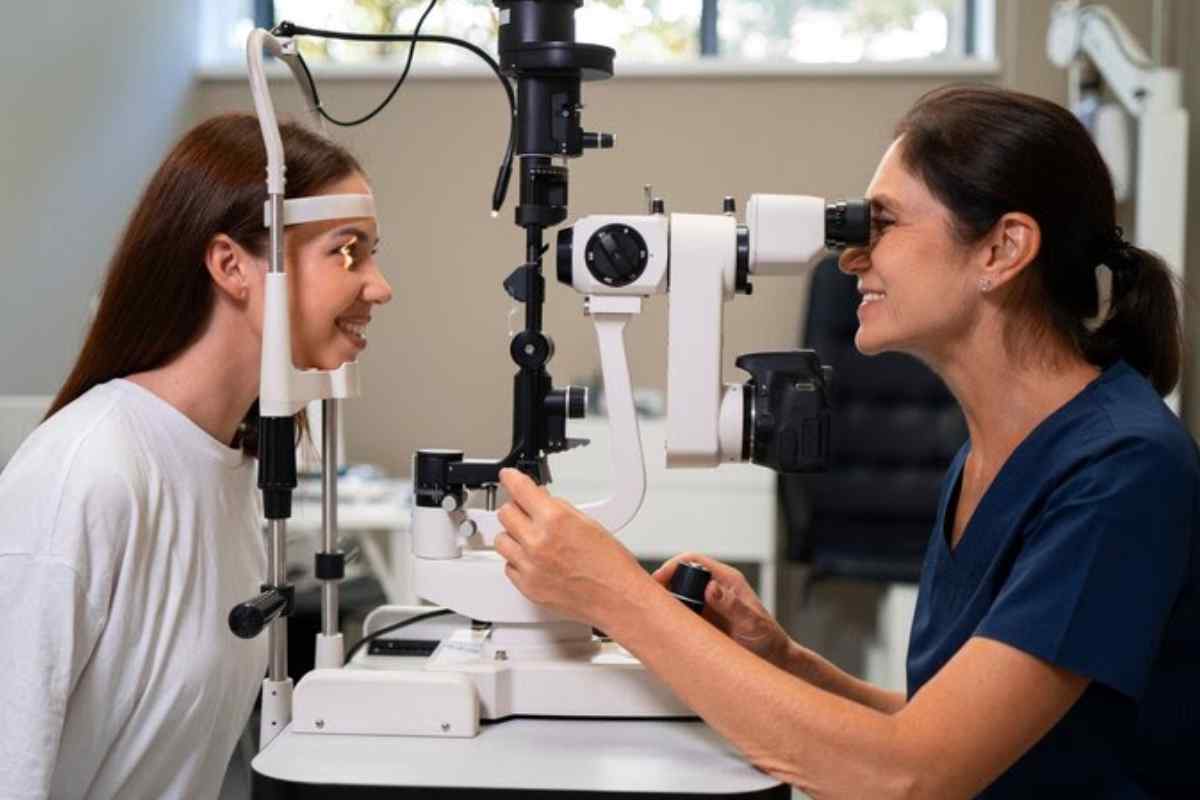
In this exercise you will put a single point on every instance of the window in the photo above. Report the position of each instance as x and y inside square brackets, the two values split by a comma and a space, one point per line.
[656, 31]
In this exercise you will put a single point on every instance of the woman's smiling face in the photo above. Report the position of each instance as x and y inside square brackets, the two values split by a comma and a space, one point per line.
[335, 283]
[919, 292]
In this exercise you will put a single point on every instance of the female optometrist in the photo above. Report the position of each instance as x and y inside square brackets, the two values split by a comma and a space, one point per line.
[1055, 650]
[129, 523]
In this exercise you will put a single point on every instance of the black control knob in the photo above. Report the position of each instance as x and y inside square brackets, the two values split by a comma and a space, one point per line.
[577, 401]
[688, 585]
[616, 255]
[248, 619]
[569, 402]
[602, 141]
[729, 206]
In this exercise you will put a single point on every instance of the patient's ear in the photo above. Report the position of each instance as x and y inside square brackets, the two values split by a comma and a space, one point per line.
[231, 267]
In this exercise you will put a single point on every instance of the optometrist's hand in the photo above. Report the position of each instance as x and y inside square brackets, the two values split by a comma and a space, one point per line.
[564, 560]
[733, 607]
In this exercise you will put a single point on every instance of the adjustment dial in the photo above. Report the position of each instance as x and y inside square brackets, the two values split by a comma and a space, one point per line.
[616, 255]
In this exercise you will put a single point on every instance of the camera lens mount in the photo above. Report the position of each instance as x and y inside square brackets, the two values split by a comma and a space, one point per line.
[787, 412]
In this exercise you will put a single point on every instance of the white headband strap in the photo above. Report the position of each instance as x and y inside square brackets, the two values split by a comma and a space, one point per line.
[321, 207]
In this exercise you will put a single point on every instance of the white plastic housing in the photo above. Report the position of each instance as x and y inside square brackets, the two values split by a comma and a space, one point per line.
[597, 681]
[386, 703]
[435, 533]
[331, 651]
[283, 389]
[1114, 140]
[475, 585]
[298, 210]
[276, 710]
[703, 277]
[653, 229]
[787, 233]
[732, 422]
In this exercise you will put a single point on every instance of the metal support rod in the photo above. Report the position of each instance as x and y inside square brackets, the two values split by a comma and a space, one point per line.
[277, 635]
[329, 464]
[276, 261]
[533, 255]
[491, 497]
[1158, 33]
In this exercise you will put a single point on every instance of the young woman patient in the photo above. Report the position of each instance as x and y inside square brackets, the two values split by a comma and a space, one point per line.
[130, 524]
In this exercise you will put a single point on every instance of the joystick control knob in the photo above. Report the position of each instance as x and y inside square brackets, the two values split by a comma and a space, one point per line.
[688, 585]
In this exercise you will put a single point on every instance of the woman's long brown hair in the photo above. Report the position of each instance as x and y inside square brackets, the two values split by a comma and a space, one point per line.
[158, 294]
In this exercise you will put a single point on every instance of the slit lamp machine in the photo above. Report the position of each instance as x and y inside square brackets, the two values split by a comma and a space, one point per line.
[500, 656]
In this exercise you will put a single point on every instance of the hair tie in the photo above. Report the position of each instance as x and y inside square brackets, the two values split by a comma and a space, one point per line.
[1115, 272]
[1116, 254]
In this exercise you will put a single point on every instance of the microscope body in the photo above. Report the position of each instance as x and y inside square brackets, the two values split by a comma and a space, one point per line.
[780, 417]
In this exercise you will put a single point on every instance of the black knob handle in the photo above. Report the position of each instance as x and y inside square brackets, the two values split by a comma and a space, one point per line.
[248, 619]
[577, 400]
[729, 206]
[688, 585]
[602, 141]
[616, 255]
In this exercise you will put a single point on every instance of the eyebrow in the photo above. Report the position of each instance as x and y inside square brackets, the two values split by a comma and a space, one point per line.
[353, 230]
[882, 201]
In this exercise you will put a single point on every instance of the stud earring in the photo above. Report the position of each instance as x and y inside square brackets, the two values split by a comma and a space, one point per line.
[985, 285]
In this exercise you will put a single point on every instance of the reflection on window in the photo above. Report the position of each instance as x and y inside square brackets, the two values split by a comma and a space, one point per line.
[672, 31]
[840, 31]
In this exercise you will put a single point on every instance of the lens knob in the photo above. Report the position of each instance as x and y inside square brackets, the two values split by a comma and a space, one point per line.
[616, 255]
[688, 585]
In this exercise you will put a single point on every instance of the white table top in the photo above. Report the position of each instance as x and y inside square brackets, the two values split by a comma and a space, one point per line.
[551, 755]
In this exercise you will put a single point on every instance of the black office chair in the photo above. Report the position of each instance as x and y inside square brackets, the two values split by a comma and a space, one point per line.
[896, 429]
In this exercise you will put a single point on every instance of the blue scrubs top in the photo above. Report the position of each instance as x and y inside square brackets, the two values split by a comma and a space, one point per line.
[1085, 552]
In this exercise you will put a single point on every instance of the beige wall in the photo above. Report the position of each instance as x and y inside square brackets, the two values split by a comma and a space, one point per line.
[437, 371]
[91, 103]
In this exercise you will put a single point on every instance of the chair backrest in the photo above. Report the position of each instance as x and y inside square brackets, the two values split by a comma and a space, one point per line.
[896, 429]
[19, 415]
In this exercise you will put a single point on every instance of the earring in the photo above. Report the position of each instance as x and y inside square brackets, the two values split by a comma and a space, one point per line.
[985, 285]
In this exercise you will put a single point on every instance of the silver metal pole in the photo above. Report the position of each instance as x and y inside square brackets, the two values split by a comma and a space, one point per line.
[329, 438]
[276, 261]
[1158, 33]
[277, 635]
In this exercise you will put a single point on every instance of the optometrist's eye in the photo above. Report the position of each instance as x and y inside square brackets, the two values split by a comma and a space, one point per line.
[879, 226]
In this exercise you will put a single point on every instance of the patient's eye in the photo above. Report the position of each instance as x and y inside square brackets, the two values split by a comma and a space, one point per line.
[347, 253]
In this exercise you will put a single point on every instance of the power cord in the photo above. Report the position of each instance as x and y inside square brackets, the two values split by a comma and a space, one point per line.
[290, 29]
[395, 626]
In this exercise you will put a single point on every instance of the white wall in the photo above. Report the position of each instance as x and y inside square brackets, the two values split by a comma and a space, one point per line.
[93, 93]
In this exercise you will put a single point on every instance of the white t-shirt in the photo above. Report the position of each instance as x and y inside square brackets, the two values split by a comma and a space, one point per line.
[126, 534]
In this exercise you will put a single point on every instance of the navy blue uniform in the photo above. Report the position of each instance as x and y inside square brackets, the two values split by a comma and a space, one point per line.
[1085, 552]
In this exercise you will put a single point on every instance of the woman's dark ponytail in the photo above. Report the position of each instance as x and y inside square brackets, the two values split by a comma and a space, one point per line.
[1143, 321]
